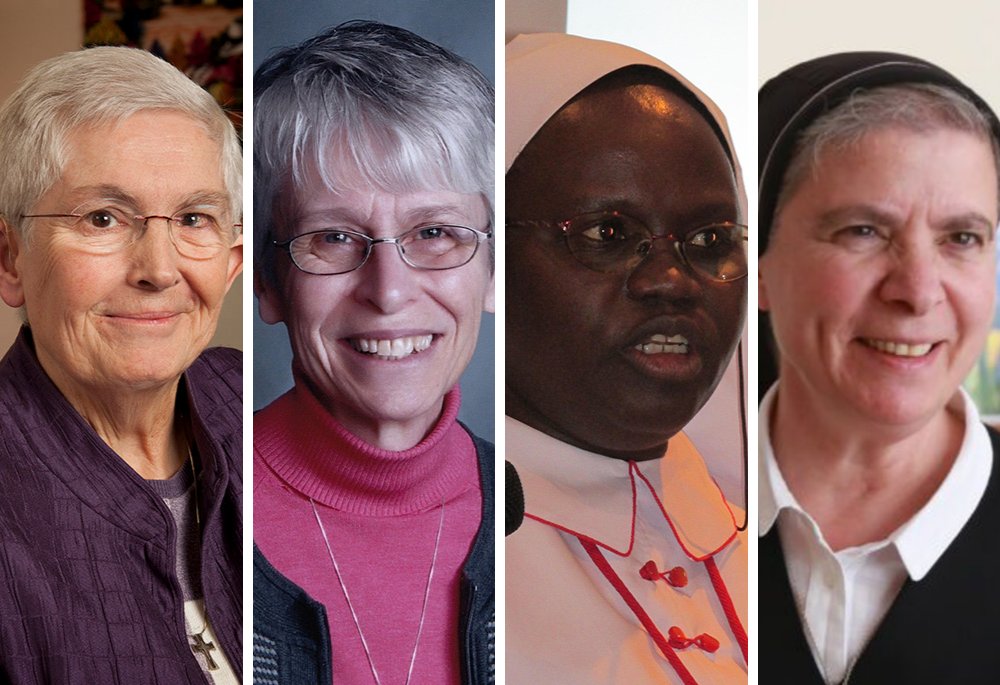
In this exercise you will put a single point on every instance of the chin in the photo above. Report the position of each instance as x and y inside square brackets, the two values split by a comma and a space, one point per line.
[145, 374]
[900, 410]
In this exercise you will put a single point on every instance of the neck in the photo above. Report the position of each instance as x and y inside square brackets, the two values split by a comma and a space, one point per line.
[315, 454]
[860, 485]
[384, 433]
[140, 426]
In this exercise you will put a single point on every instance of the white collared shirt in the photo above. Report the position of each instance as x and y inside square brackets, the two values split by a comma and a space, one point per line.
[843, 596]
[565, 622]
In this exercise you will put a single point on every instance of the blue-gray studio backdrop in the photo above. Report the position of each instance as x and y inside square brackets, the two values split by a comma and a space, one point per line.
[463, 26]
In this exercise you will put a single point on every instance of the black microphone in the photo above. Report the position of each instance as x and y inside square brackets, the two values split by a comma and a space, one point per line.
[513, 499]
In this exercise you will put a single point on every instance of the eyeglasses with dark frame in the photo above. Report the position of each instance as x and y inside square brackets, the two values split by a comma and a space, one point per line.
[613, 242]
[196, 235]
[434, 247]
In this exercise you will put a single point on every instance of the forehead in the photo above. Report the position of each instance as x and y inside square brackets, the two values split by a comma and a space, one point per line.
[897, 168]
[151, 155]
[640, 140]
[370, 207]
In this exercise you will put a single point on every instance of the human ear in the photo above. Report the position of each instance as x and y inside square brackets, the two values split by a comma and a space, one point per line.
[763, 302]
[489, 304]
[269, 301]
[11, 288]
[235, 261]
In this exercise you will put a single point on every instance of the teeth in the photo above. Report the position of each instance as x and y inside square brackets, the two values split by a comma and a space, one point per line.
[396, 348]
[661, 344]
[899, 349]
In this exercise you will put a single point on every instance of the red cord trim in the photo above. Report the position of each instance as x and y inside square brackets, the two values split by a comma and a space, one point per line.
[640, 613]
[673, 530]
[727, 606]
[581, 536]
[633, 469]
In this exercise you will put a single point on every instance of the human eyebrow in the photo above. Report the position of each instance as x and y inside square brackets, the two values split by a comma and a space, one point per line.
[205, 199]
[103, 193]
[840, 217]
[969, 221]
[443, 214]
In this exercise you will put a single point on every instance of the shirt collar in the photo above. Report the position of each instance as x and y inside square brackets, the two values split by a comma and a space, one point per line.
[924, 538]
[594, 496]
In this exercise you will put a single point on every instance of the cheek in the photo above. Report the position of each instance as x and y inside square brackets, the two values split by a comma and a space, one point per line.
[829, 291]
[68, 282]
[975, 304]
[731, 305]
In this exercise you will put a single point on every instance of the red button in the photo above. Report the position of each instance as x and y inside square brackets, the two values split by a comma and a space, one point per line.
[677, 577]
[707, 642]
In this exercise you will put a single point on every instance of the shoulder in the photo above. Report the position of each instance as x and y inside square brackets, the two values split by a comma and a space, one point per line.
[219, 365]
[215, 392]
[290, 629]
[994, 439]
[485, 453]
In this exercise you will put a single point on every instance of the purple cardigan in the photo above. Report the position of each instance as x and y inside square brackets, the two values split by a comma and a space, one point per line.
[88, 593]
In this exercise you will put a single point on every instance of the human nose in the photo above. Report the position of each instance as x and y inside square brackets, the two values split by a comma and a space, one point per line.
[914, 278]
[154, 264]
[663, 273]
[387, 282]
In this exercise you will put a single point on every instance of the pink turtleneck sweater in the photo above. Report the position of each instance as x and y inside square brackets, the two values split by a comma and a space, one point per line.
[381, 511]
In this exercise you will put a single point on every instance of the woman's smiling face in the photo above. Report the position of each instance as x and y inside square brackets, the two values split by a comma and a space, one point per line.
[880, 276]
[382, 344]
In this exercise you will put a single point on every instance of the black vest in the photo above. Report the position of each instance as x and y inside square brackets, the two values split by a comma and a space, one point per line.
[940, 630]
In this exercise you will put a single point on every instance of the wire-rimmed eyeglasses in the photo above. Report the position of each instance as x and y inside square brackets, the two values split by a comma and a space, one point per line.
[197, 235]
[334, 251]
[616, 242]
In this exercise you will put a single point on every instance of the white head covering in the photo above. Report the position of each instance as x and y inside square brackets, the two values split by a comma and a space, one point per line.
[543, 72]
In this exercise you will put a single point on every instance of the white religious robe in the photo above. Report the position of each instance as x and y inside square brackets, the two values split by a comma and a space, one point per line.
[565, 621]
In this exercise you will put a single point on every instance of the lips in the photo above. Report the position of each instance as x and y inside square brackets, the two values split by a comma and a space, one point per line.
[144, 316]
[391, 348]
[667, 335]
[661, 343]
[899, 348]
[668, 348]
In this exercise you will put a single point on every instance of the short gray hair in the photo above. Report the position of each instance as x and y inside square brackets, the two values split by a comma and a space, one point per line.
[919, 107]
[100, 86]
[370, 103]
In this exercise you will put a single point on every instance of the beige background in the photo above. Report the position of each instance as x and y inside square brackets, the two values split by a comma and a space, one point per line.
[960, 35]
[33, 30]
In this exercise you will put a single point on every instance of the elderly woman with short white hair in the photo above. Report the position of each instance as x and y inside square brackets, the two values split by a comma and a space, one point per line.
[120, 435]
[373, 506]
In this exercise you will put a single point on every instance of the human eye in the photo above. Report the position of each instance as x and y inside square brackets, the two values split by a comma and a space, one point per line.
[430, 233]
[195, 220]
[860, 237]
[335, 238]
[610, 228]
[706, 238]
[100, 221]
[967, 241]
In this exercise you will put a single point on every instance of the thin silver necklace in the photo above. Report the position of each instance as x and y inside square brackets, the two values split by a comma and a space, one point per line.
[200, 646]
[354, 614]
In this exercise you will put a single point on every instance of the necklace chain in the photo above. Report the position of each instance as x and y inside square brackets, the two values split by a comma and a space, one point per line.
[200, 646]
[350, 605]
